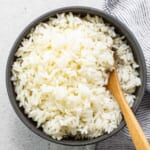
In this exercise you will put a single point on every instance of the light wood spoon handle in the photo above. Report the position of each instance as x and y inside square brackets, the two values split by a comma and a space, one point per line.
[135, 130]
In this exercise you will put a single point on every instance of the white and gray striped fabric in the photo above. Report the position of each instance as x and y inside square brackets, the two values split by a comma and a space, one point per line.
[136, 15]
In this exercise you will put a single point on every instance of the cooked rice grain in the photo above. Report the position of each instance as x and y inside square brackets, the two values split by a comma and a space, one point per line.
[61, 72]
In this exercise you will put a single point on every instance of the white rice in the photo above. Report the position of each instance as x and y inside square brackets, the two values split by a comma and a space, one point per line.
[61, 72]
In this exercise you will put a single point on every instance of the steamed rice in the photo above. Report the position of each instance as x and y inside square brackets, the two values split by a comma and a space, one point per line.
[61, 72]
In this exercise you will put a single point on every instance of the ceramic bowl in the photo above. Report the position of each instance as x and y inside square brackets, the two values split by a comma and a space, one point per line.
[120, 28]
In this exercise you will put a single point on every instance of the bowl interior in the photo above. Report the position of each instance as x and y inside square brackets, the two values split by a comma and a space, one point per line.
[120, 28]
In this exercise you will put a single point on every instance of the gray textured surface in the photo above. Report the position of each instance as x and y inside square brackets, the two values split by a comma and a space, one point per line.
[14, 16]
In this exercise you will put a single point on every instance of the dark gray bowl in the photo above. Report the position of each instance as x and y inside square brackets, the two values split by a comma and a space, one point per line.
[120, 28]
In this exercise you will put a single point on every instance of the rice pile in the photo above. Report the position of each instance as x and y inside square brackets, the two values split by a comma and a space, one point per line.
[61, 72]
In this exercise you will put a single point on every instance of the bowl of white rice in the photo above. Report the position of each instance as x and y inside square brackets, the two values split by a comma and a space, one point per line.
[58, 70]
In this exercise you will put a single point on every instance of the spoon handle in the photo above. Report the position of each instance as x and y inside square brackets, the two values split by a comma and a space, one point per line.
[135, 130]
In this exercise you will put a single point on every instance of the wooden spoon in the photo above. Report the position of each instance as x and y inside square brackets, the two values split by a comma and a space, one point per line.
[138, 137]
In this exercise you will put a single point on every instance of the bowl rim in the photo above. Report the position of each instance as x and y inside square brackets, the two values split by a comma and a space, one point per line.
[75, 9]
